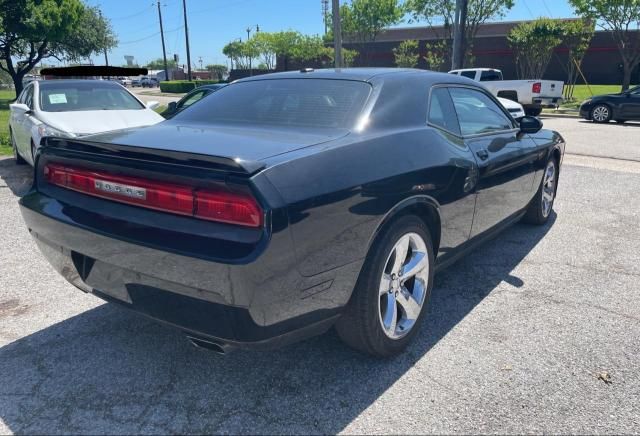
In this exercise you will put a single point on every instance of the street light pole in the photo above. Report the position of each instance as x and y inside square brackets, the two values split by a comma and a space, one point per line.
[186, 35]
[337, 33]
[458, 52]
[164, 52]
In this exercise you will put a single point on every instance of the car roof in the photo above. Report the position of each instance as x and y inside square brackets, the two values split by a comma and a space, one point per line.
[358, 74]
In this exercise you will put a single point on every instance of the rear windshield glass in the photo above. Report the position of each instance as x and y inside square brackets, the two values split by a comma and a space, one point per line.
[283, 102]
[85, 96]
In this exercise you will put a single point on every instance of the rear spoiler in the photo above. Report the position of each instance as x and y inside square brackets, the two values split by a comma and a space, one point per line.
[62, 146]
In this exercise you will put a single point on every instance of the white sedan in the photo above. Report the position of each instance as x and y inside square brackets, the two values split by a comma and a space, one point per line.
[73, 108]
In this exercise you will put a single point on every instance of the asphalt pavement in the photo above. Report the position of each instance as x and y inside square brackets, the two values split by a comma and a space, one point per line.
[535, 332]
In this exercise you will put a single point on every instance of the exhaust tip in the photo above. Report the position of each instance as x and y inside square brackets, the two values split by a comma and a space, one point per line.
[208, 345]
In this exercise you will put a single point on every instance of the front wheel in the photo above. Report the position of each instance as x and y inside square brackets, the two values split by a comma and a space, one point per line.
[601, 114]
[392, 292]
[541, 206]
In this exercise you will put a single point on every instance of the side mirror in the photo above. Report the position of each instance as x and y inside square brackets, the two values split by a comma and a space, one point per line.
[20, 107]
[172, 107]
[153, 104]
[530, 125]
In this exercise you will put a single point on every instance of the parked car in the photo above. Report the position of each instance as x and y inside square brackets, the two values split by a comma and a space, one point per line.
[515, 109]
[287, 203]
[70, 109]
[621, 107]
[124, 81]
[190, 98]
[136, 82]
[149, 82]
[533, 95]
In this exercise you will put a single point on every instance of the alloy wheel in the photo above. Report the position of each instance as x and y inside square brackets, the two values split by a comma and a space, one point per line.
[548, 188]
[600, 114]
[403, 285]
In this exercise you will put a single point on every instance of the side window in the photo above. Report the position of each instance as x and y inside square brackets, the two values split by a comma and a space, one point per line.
[468, 74]
[478, 113]
[490, 76]
[441, 111]
[22, 95]
[191, 100]
[28, 98]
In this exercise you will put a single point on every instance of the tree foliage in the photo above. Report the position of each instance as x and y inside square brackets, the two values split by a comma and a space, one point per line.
[533, 43]
[438, 13]
[436, 55]
[407, 54]
[33, 30]
[622, 19]
[217, 69]
[362, 20]
[158, 64]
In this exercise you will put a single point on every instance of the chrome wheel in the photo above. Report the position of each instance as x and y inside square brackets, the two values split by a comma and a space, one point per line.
[548, 188]
[600, 114]
[403, 286]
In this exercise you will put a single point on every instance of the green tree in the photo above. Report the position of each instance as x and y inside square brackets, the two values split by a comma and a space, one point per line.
[436, 55]
[158, 64]
[533, 43]
[217, 69]
[348, 56]
[577, 35]
[263, 44]
[241, 53]
[438, 13]
[622, 19]
[33, 30]
[407, 54]
[308, 48]
[362, 20]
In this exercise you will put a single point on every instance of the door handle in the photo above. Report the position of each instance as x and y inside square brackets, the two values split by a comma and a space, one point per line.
[482, 154]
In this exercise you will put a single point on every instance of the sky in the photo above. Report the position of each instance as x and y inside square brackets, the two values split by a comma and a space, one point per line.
[213, 23]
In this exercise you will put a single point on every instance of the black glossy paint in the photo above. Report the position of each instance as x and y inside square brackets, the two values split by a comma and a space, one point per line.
[326, 195]
[625, 106]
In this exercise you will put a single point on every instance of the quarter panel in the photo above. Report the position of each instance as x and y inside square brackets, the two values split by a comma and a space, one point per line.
[338, 197]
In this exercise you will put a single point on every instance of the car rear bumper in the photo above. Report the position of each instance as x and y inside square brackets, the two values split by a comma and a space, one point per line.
[547, 102]
[261, 304]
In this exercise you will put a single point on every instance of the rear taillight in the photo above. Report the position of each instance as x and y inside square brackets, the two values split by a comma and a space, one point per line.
[536, 88]
[213, 205]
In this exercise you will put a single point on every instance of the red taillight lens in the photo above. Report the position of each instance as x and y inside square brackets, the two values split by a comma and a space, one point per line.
[536, 88]
[222, 206]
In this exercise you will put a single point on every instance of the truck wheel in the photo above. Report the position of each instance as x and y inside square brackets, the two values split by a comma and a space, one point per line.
[533, 111]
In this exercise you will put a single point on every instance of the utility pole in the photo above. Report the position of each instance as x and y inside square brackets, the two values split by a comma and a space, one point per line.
[459, 45]
[186, 36]
[325, 14]
[164, 52]
[337, 33]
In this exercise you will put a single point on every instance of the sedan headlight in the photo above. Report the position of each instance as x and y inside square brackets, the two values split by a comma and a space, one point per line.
[46, 130]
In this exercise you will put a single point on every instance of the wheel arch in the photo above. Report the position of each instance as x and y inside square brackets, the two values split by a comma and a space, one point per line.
[424, 207]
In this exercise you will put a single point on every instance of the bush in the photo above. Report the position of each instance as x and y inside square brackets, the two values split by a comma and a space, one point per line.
[182, 86]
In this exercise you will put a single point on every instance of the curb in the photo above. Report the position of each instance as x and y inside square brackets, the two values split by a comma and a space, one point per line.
[559, 115]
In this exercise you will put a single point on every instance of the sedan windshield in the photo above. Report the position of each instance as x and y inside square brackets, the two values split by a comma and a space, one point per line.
[85, 96]
[283, 102]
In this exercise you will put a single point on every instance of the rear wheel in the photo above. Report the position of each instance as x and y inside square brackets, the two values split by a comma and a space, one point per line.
[16, 154]
[601, 113]
[392, 292]
[542, 204]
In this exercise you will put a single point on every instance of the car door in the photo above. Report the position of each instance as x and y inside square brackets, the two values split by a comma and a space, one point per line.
[505, 157]
[23, 123]
[631, 105]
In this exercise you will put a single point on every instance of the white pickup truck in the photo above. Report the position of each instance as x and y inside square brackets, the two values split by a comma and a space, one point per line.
[533, 95]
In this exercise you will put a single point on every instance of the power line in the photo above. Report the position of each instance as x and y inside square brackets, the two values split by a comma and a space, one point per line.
[150, 36]
[126, 17]
[547, 8]
[527, 6]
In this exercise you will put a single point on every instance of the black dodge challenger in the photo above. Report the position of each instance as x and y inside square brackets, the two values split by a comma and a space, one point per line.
[288, 203]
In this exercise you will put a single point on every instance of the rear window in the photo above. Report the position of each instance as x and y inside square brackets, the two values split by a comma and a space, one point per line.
[490, 76]
[283, 102]
[468, 74]
[85, 96]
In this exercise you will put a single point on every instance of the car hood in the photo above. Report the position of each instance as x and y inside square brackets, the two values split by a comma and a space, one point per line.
[89, 122]
[234, 142]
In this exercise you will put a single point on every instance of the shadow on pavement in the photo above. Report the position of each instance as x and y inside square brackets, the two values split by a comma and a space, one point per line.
[109, 370]
[18, 178]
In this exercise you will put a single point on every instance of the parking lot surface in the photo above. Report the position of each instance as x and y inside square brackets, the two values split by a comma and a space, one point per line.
[537, 331]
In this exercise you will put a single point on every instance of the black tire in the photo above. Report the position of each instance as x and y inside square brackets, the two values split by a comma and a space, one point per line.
[621, 121]
[361, 325]
[601, 113]
[536, 213]
[532, 111]
[19, 159]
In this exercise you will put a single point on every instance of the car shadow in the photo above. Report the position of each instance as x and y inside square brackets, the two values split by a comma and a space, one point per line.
[17, 178]
[108, 370]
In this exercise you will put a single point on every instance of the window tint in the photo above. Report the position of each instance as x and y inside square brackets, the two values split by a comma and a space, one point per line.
[85, 96]
[468, 74]
[490, 76]
[283, 102]
[441, 111]
[477, 112]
